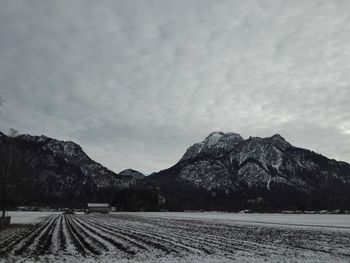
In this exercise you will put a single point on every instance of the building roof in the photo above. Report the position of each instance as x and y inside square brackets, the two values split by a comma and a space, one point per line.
[98, 205]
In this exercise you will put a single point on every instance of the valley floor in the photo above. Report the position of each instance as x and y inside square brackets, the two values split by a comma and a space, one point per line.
[179, 237]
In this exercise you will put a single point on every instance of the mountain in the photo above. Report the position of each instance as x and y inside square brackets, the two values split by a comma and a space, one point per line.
[132, 174]
[57, 172]
[227, 172]
[223, 172]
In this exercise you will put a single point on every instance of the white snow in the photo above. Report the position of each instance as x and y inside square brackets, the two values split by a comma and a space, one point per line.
[172, 237]
[214, 138]
[29, 217]
[329, 221]
[268, 183]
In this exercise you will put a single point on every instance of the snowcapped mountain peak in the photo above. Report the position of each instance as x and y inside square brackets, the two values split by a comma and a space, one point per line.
[213, 138]
[220, 137]
[214, 144]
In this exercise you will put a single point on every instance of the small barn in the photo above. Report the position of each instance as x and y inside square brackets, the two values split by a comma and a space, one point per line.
[102, 208]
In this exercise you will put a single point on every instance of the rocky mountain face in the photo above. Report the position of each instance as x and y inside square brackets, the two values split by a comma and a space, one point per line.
[227, 172]
[60, 172]
[132, 174]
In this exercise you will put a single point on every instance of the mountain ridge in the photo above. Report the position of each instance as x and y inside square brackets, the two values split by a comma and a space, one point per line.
[222, 172]
[61, 172]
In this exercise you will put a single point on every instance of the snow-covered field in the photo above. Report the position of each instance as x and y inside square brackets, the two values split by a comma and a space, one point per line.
[180, 237]
[28, 217]
[289, 220]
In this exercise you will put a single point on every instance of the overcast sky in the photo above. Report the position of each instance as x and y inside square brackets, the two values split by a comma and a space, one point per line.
[137, 82]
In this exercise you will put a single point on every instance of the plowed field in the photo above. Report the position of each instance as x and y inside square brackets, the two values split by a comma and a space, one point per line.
[131, 238]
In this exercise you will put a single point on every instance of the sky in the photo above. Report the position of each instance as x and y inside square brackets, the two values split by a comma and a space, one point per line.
[135, 83]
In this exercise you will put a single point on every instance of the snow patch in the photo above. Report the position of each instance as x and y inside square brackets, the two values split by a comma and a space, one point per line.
[213, 138]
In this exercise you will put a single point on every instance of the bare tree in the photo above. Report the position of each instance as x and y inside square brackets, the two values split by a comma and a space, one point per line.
[3, 176]
[7, 166]
[8, 159]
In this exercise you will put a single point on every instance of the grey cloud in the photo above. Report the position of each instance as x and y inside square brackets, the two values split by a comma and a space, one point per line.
[136, 82]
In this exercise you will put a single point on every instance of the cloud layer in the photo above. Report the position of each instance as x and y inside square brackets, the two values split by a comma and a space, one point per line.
[137, 82]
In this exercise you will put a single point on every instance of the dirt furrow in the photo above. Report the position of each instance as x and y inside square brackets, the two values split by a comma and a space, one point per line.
[55, 236]
[154, 237]
[93, 241]
[100, 233]
[212, 237]
[141, 237]
[10, 244]
[113, 233]
[144, 244]
[184, 241]
[45, 240]
[81, 245]
[196, 239]
[71, 246]
[28, 240]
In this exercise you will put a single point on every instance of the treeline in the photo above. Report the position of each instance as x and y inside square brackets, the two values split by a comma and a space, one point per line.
[180, 197]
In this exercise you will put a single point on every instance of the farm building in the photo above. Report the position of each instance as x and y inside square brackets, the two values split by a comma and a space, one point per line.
[98, 208]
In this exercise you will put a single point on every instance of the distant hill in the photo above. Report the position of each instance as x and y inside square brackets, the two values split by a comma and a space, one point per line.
[136, 175]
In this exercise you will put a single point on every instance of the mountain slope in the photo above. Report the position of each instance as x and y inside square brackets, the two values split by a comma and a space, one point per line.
[132, 174]
[59, 172]
[226, 172]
